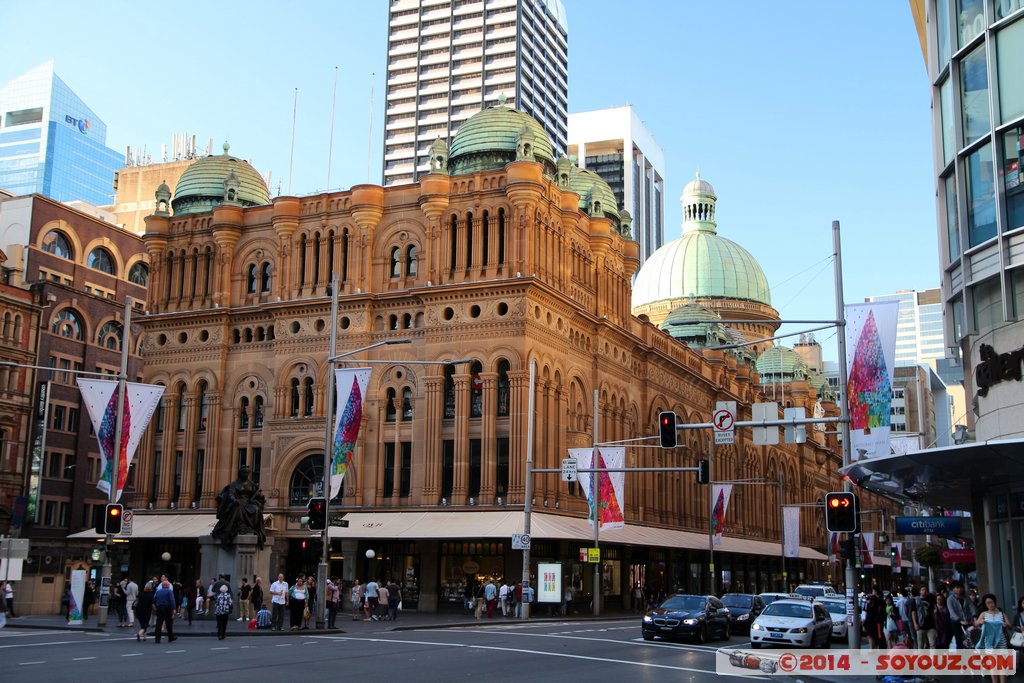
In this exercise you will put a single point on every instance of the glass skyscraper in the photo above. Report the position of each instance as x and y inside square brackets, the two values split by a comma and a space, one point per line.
[51, 143]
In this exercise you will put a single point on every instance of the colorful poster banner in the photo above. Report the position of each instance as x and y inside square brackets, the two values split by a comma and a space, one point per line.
[791, 531]
[871, 358]
[834, 547]
[140, 402]
[350, 386]
[721, 493]
[549, 582]
[611, 484]
[897, 562]
[77, 596]
[867, 546]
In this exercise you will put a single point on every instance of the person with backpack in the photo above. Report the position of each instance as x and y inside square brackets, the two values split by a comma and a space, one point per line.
[923, 616]
[222, 604]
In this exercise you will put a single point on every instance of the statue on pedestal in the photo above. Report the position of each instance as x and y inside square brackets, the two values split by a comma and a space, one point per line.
[240, 510]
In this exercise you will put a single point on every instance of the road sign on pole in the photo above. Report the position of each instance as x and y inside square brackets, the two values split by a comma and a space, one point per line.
[765, 436]
[520, 541]
[127, 519]
[569, 469]
[724, 422]
[795, 433]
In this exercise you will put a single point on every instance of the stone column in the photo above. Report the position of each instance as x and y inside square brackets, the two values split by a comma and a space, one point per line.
[461, 482]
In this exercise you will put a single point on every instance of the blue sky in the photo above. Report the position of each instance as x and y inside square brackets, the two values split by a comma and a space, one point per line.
[799, 113]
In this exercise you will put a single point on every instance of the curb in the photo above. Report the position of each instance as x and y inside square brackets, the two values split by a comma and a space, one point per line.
[510, 622]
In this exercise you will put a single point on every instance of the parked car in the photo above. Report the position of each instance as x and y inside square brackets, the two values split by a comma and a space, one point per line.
[700, 617]
[816, 590]
[800, 623]
[743, 609]
[837, 610]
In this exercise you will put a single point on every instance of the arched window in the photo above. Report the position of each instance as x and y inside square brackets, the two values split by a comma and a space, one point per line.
[159, 417]
[396, 263]
[306, 479]
[243, 413]
[181, 408]
[250, 279]
[504, 388]
[209, 271]
[501, 236]
[406, 404]
[407, 321]
[453, 245]
[316, 258]
[449, 392]
[308, 408]
[58, 244]
[265, 277]
[302, 261]
[67, 323]
[469, 240]
[330, 254]
[204, 406]
[476, 390]
[110, 335]
[410, 261]
[258, 413]
[344, 256]
[389, 406]
[100, 259]
[485, 238]
[139, 274]
[294, 412]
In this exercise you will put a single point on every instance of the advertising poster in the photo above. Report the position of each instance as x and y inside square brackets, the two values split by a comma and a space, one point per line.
[76, 597]
[871, 358]
[549, 582]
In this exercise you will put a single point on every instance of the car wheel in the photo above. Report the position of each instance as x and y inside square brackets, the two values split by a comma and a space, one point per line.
[648, 636]
[726, 630]
[828, 642]
[702, 634]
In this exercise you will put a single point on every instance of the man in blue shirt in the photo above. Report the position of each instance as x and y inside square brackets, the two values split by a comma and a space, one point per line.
[165, 607]
[490, 596]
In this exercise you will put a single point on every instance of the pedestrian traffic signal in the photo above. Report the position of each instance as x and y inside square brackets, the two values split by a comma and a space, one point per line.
[842, 512]
[112, 519]
[317, 514]
[893, 551]
[704, 471]
[667, 426]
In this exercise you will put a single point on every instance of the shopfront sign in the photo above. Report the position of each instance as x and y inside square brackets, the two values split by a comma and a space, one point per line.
[955, 555]
[922, 526]
[997, 367]
[593, 555]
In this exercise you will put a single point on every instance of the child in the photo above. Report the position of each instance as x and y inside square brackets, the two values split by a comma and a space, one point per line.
[263, 618]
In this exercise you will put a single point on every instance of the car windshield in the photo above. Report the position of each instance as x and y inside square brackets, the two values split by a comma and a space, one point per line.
[684, 603]
[787, 609]
[737, 600]
[835, 607]
[810, 591]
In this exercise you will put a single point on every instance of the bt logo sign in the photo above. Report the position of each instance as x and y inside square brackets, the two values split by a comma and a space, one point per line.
[81, 124]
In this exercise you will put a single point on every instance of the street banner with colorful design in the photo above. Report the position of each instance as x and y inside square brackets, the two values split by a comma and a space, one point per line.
[897, 562]
[721, 493]
[834, 546]
[140, 402]
[76, 597]
[611, 484]
[350, 385]
[867, 545]
[871, 357]
[791, 531]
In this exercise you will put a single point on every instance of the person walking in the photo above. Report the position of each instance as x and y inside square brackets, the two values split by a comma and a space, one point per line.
[131, 594]
[394, 599]
[165, 606]
[370, 595]
[961, 612]
[256, 597]
[490, 597]
[192, 600]
[356, 599]
[244, 606]
[144, 610]
[278, 601]
[993, 623]
[503, 598]
[923, 616]
[88, 599]
[332, 598]
[943, 627]
[222, 605]
[297, 604]
[311, 596]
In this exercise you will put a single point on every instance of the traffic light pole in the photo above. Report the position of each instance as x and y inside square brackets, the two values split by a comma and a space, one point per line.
[122, 378]
[325, 534]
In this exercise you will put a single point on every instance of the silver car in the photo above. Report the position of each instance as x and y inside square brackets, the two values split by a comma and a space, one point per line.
[796, 623]
[840, 622]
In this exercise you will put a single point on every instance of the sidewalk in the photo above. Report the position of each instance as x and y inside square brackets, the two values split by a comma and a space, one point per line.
[407, 621]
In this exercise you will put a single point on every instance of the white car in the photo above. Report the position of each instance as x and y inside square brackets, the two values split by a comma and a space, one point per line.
[769, 598]
[840, 622]
[796, 623]
[816, 591]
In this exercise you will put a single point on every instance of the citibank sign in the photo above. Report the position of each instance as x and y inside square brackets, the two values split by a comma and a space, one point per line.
[81, 124]
[920, 526]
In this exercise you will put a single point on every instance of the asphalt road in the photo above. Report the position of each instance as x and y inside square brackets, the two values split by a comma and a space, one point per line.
[585, 651]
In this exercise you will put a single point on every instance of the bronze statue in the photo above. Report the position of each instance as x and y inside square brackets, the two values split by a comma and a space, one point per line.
[240, 510]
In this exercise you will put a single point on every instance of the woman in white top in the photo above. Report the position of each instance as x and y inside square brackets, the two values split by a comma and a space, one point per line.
[297, 603]
[993, 623]
[357, 600]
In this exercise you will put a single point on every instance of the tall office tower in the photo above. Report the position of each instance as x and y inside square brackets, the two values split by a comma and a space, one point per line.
[615, 144]
[448, 59]
[919, 333]
[51, 143]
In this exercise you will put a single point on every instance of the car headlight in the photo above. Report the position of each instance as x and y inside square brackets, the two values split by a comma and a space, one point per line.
[690, 622]
[648, 619]
[743, 617]
[800, 630]
[756, 627]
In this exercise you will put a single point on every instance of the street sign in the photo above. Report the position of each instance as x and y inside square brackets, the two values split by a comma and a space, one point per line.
[795, 433]
[956, 555]
[593, 555]
[520, 541]
[583, 554]
[126, 523]
[338, 521]
[724, 422]
[569, 469]
[765, 436]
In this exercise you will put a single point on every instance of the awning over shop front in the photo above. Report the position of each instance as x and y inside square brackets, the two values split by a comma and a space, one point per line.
[164, 525]
[942, 476]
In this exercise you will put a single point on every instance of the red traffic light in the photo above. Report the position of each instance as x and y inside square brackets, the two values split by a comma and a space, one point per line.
[838, 503]
[115, 511]
[841, 512]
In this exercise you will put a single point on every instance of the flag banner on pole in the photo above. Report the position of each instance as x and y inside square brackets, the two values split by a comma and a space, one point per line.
[871, 357]
[867, 545]
[834, 546]
[897, 562]
[140, 402]
[611, 484]
[721, 493]
[350, 385]
[791, 531]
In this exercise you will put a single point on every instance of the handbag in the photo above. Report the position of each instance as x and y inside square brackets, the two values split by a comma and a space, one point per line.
[305, 612]
[1017, 639]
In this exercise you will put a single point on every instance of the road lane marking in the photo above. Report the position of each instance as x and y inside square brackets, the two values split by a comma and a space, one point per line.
[30, 663]
[173, 652]
[677, 647]
[81, 659]
[543, 653]
[59, 642]
[132, 654]
[219, 648]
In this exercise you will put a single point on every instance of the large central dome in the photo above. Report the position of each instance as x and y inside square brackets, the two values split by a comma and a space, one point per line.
[701, 264]
[497, 135]
[216, 179]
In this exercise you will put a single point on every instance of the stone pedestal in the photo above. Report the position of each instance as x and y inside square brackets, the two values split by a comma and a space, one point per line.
[242, 559]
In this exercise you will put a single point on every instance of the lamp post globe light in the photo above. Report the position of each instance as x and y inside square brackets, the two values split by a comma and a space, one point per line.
[166, 556]
[370, 554]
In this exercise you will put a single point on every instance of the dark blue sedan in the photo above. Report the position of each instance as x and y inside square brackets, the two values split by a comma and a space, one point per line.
[697, 617]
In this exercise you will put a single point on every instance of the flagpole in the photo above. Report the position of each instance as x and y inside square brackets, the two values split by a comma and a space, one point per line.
[325, 534]
[595, 484]
[122, 378]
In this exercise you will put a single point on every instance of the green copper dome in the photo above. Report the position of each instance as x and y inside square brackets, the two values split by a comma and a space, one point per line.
[592, 188]
[781, 364]
[696, 325]
[497, 135]
[700, 264]
[218, 179]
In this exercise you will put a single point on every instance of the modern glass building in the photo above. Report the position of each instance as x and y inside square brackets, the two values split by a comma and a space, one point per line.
[51, 143]
[919, 332]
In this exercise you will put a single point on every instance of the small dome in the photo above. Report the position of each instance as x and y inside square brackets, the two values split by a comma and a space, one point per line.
[781, 364]
[698, 187]
[696, 325]
[592, 188]
[489, 139]
[201, 187]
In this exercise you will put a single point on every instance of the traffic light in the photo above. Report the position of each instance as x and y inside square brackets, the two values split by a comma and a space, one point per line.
[842, 512]
[667, 426]
[704, 471]
[317, 514]
[112, 518]
[893, 551]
